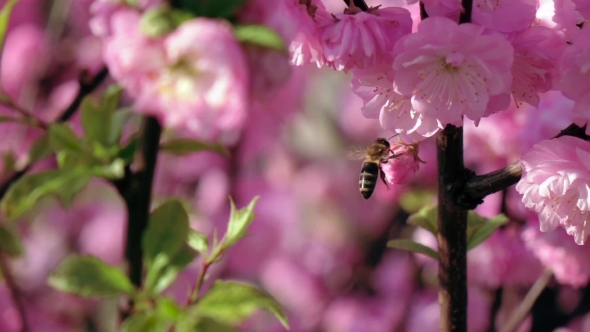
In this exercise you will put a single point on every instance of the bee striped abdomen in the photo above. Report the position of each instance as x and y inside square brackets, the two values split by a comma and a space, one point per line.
[368, 178]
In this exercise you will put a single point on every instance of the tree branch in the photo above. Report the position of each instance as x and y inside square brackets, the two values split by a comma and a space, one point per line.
[137, 195]
[452, 231]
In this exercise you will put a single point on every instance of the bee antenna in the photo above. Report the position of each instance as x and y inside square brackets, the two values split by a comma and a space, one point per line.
[393, 136]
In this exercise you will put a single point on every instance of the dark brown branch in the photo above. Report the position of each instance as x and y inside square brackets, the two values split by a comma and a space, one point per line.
[137, 195]
[361, 4]
[452, 231]
[466, 8]
[15, 294]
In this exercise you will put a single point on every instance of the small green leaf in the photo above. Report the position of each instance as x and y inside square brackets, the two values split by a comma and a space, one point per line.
[232, 302]
[113, 171]
[127, 153]
[184, 146]
[144, 323]
[425, 218]
[415, 199]
[118, 122]
[409, 245]
[239, 220]
[164, 270]
[211, 325]
[167, 231]
[4, 18]
[198, 241]
[260, 35]
[97, 118]
[62, 137]
[9, 163]
[25, 192]
[167, 308]
[40, 149]
[212, 8]
[88, 276]
[486, 230]
[10, 243]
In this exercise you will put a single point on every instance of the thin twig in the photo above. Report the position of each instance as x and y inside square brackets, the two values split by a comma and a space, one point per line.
[523, 309]
[15, 293]
[194, 296]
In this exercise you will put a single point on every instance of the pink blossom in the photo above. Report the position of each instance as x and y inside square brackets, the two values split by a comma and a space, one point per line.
[535, 60]
[131, 57]
[305, 46]
[555, 184]
[575, 69]
[358, 39]
[394, 111]
[103, 10]
[194, 80]
[566, 18]
[557, 252]
[504, 15]
[405, 163]
[452, 70]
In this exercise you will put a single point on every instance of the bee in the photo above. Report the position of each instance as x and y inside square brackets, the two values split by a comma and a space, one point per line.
[375, 155]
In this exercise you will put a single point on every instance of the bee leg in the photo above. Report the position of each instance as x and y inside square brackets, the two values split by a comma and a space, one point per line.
[390, 157]
[382, 175]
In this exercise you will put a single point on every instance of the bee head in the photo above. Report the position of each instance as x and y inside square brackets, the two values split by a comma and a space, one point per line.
[382, 141]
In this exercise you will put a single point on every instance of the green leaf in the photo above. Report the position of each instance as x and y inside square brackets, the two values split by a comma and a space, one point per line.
[167, 231]
[62, 137]
[239, 220]
[410, 245]
[40, 149]
[25, 192]
[198, 241]
[164, 270]
[486, 230]
[425, 218]
[144, 323]
[167, 308]
[88, 276]
[232, 302]
[127, 153]
[212, 8]
[10, 243]
[415, 199]
[9, 163]
[184, 146]
[97, 118]
[4, 18]
[118, 122]
[211, 325]
[260, 35]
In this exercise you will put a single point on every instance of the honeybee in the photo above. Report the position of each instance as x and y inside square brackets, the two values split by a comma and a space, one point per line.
[376, 154]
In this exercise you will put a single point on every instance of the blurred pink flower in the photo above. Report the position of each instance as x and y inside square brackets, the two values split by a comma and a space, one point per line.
[555, 184]
[202, 87]
[359, 39]
[575, 69]
[103, 10]
[557, 252]
[566, 18]
[452, 70]
[504, 15]
[25, 58]
[194, 80]
[553, 115]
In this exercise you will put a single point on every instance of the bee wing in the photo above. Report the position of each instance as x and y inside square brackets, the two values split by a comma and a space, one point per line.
[356, 153]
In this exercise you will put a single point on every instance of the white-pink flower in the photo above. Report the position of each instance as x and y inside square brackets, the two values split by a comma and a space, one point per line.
[362, 39]
[536, 51]
[452, 70]
[556, 184]
[504, 15]
[103, 10]
[305, 46]
[394, 111]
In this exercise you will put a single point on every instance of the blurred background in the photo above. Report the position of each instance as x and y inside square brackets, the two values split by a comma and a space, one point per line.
[316, 245]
